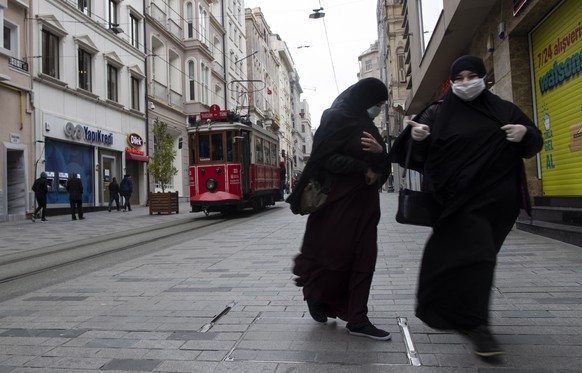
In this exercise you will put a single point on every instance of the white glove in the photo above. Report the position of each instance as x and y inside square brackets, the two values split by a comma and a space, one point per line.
[419, 131]
[514, 132]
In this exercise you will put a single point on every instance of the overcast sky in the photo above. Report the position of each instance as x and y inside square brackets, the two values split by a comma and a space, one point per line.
[351, 28]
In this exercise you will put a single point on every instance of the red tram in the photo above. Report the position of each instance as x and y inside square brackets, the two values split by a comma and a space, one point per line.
[232, 166]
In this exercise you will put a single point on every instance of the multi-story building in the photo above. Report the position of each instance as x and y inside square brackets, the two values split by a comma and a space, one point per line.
[531, 51]
[369, 68]
[89, 107]
[262, 69]
[18, 158]
[392, 68]
[303, 140]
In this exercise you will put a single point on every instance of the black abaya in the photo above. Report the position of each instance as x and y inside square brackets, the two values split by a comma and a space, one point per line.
[475, 172]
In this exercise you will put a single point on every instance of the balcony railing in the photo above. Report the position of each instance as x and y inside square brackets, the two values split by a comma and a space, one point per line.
[15, 62]
[160, 91]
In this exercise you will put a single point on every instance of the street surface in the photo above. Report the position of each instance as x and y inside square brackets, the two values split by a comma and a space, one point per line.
[222, 299]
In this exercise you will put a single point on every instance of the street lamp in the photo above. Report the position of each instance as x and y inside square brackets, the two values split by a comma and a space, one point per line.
[317, 13]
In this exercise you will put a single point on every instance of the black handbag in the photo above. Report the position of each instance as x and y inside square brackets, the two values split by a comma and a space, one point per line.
[314, 195]
[416, 207]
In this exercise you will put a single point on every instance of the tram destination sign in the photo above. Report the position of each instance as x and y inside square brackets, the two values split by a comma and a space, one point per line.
[214, 113]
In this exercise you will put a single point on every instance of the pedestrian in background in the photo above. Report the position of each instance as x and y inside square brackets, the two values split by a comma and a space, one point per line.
[471, 147]
[40, 189]
[113, 193]
[126, 189]
[75, 189]
[338, 255]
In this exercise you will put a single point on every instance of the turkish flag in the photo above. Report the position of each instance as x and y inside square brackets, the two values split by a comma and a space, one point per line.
[269, 92]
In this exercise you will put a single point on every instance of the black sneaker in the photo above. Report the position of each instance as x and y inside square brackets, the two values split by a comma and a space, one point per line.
[371, 331]
[484, 344]
[317, 312]
[43, 219]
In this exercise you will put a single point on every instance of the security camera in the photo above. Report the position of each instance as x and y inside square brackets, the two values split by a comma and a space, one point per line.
[152, 106]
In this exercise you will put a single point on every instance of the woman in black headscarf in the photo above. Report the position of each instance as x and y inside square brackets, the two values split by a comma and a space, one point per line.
[338, 255]
[472, 143]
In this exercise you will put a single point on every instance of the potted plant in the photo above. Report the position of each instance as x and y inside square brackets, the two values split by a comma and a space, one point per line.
[161, 167]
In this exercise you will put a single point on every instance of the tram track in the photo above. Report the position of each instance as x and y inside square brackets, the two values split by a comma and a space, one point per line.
[34, 269]
[32, 262]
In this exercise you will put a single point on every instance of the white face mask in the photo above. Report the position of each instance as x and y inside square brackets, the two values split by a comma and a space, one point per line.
[469, 90]
[374, 111]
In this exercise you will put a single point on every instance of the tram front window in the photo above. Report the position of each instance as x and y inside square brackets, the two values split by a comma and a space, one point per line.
[217, 151]
[204, 147]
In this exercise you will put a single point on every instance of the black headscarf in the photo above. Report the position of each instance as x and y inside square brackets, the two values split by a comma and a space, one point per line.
[346, 114]
[471, 63]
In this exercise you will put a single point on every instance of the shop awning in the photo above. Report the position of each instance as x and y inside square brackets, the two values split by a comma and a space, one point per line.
[137, 157]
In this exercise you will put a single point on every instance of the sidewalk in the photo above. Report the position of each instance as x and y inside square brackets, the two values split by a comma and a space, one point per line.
[226, 302]
[19, 236]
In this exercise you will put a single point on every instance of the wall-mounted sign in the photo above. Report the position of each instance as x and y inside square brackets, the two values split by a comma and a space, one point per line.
[134, 140]
[14, 138]
[517, 5]
[78, 133]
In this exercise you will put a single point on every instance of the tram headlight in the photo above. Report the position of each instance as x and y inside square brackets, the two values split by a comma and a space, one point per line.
[211, 184]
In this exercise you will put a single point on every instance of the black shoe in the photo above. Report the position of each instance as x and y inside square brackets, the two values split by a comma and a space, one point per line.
[74, 218]
[33, 218]
[43, 219]
[371, 331]
[81, 218]
[109, 210]
[484, 344]
[317, 312]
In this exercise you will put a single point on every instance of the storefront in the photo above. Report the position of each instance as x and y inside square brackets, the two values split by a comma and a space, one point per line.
[556, 45]
[95, 154]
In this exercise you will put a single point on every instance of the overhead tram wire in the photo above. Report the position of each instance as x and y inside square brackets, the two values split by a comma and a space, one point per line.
[329, 50]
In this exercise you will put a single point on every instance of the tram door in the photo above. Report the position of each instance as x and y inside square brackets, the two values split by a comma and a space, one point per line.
[246, 163]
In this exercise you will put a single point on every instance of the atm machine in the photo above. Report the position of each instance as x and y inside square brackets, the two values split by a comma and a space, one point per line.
[63, 178]
[50, 178]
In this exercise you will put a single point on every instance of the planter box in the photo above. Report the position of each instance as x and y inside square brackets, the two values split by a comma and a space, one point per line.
[164, 203]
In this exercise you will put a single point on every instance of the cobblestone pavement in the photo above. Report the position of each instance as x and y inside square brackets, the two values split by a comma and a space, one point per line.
[225, 302]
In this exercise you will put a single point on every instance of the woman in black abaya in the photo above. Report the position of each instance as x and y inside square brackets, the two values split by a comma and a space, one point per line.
[338, 255]
[472, 143]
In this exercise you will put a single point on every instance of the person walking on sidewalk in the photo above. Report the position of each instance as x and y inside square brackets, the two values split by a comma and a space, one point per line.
[470, 148]
[75, 189]
[338, 255]
[126, 189]
[114, 193]
[40, 189]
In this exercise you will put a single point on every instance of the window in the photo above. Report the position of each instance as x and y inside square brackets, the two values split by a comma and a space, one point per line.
[9, 37]
[135, 96]
[202, 25]
[191, 81]
[401, 65]
[204, 147]
[85, 73]
[259, 150]
[190, 20]
[368, 65]
[217, 147]
[84, 6]
[50, 54]
[112, 14]
[111, 82]
[134, 30]
[204, 80]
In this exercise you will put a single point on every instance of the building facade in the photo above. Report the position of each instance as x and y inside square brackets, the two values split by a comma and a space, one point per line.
[17, 135]
[89, 105]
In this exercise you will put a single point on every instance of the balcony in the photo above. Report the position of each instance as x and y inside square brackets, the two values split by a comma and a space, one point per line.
[15, 62]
